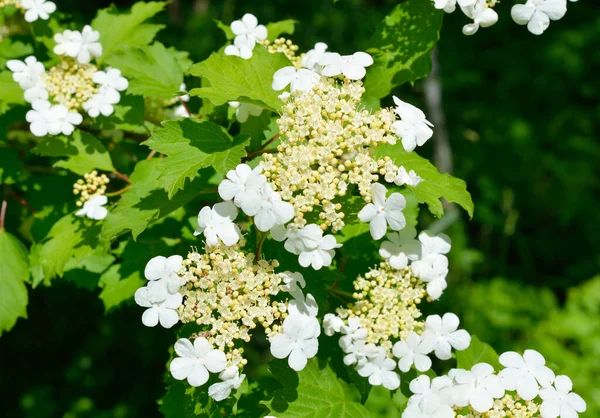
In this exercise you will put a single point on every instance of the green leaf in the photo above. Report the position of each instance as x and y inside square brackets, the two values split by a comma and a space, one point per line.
[275, 29]
[128, 29]
[10, 92]
[84, 151]
[152, 71]
[314, 392]
[116, 289]
[434, 186]
[401, 47]
[235, 79]
[477, 352]
[14, 272]
[191, 145]
[229, 35]
[10, 166]
[11, 50]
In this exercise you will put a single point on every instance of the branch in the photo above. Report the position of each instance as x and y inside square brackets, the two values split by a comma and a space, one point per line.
[122, 176]
[3, 214]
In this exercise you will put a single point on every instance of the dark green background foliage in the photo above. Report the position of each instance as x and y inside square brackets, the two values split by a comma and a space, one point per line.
[523, 120]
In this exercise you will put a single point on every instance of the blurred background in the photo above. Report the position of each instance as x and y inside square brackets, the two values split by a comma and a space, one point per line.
[518, 119]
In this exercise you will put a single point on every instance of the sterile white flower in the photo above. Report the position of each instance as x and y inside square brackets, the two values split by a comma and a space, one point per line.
[293, 283]
[165, 272]
[332, 324]
[163, 311]
[94, 208]
[301, 79]
[241, 48]
[248, 29]
[111, 78]
[81, 45]
[242, 185]
[415, 351]
[432, 398]
[559, 401]
[352, 332]
[445, 335]
[244, 110]
[268, 208]
[311, 59]
[183, 87]
[181, 112]
[401, 247]
[298, 341]
[322, 255]
[46, 118]
[434, 244]
[102, 103]
[379, 370]
[536, 14]
[477, 387]
[433, 270]
[383, 212]
[195, 361]
[27, 73]
[525, 373]
[37, 9]
[217, 222]
[351, 66]
[357, 351]
[409, 178]
[231, 379]
[413, 126]
[481, 14]
[306, 306]
[447, 5]
[298, 240]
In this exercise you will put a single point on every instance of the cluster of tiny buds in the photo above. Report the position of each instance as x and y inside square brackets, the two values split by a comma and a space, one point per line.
[91, 185]
[508, 406]
[15, 3]
[71, 83]
[285, 46]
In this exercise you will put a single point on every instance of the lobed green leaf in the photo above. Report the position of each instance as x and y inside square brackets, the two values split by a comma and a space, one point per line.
[14, 272]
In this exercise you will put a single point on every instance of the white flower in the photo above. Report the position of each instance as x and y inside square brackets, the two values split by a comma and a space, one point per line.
[401, 247]
[414, 351]
[27, 73]
[434, 244]
[81, 45]
[111, 78]
[301, 79]
[38, 92]
[267, 208]
[217, 222]
[481, 14]
[94, 208]
[447, 5]
[536, 14]
[186, 97]
[298, 240]
[351, 66]
[409, 178]
[231, 379]
[477, 387]
[445, 335]
[352, 332]
[379, 369]
[523, 373]
[102, 102]
[240, 48]
[311, 59]
[51, 119]
[322, 255]
[293, 283]
[165, 272]
[298, 341]
[431, 397]
[37, 9]
[433, 270]
[383, 212]
[413, 128]
[357, 351]
[248, 29]
[242, 185]
[195, 361]
[181, 112]
[559, 401]
[163, 311]
[332, 324]
[244, 110]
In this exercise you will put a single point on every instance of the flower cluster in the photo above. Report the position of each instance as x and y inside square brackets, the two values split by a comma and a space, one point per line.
[34, 9]
[57, 96]
[91, 191]
[287, 48]
[247, 33]
[524, 388]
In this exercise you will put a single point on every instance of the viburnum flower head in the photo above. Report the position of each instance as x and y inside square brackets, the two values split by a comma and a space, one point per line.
[444, 333]
[245, 110]
[94, 208]
[241, 47]
[415, 351]
[248, 29]
[196, 361]
[81, 45]
[231, 379]
[242, 185]
[380, 370]
[525, 373]
[477, 387]
[301, 79]
[383, 212]
[37, 9]
[401, 247]
[407, 178]
[559, 401]
[432, 397]
[163, 311]
[217, 223]
[298, 341]
[267, 208]
[413, 126]
[481, 14]
[536, 14]
[351, 66]
[46, 118]
[311, 59]
[166, 272]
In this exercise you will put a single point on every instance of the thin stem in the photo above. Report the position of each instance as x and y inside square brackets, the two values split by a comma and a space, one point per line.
[270, 141]
[185, 106]
[122, 176]
[3, 214]
[19, 199]
[254, 154]
[152, 154]
[118, 192]
[260, 239]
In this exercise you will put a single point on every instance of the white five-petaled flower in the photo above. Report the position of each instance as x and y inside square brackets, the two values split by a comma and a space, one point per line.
[450, 5]
[94, 208]
[301, 79]
[433, 270]
[445, 335]
[298, 240]
[431, 397]
[298, 341]
[111, 78]
[434, 244]
[195, 361]
[332, 324]
[415, 351]
[27, 73]
[559, 401]
[244, 110]
[81, 45]
[401, 247]
[407, 178]
[37, 9]
[525, 373]
[46, 118]
[163, 311]
[311, 59]
[164, 272]
[242, 185]
[477, 387]
[351, 66]
[217, 222]
[352, 332]
[241, 47]
[357, 351]
[481, 14]
[413, 126]
[536, 14]
[268, 208]
[293, 283]
[248, 29]
[231, 379]
[383, 212]
[380, 370]
[320, 256]
[102, 103]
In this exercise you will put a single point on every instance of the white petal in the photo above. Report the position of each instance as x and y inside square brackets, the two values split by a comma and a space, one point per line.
[539, 23]
[198, 376]
[182, 367]
[168, 318]
[215, 361]
[150, 317]
[522, 13]
[297, 360]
